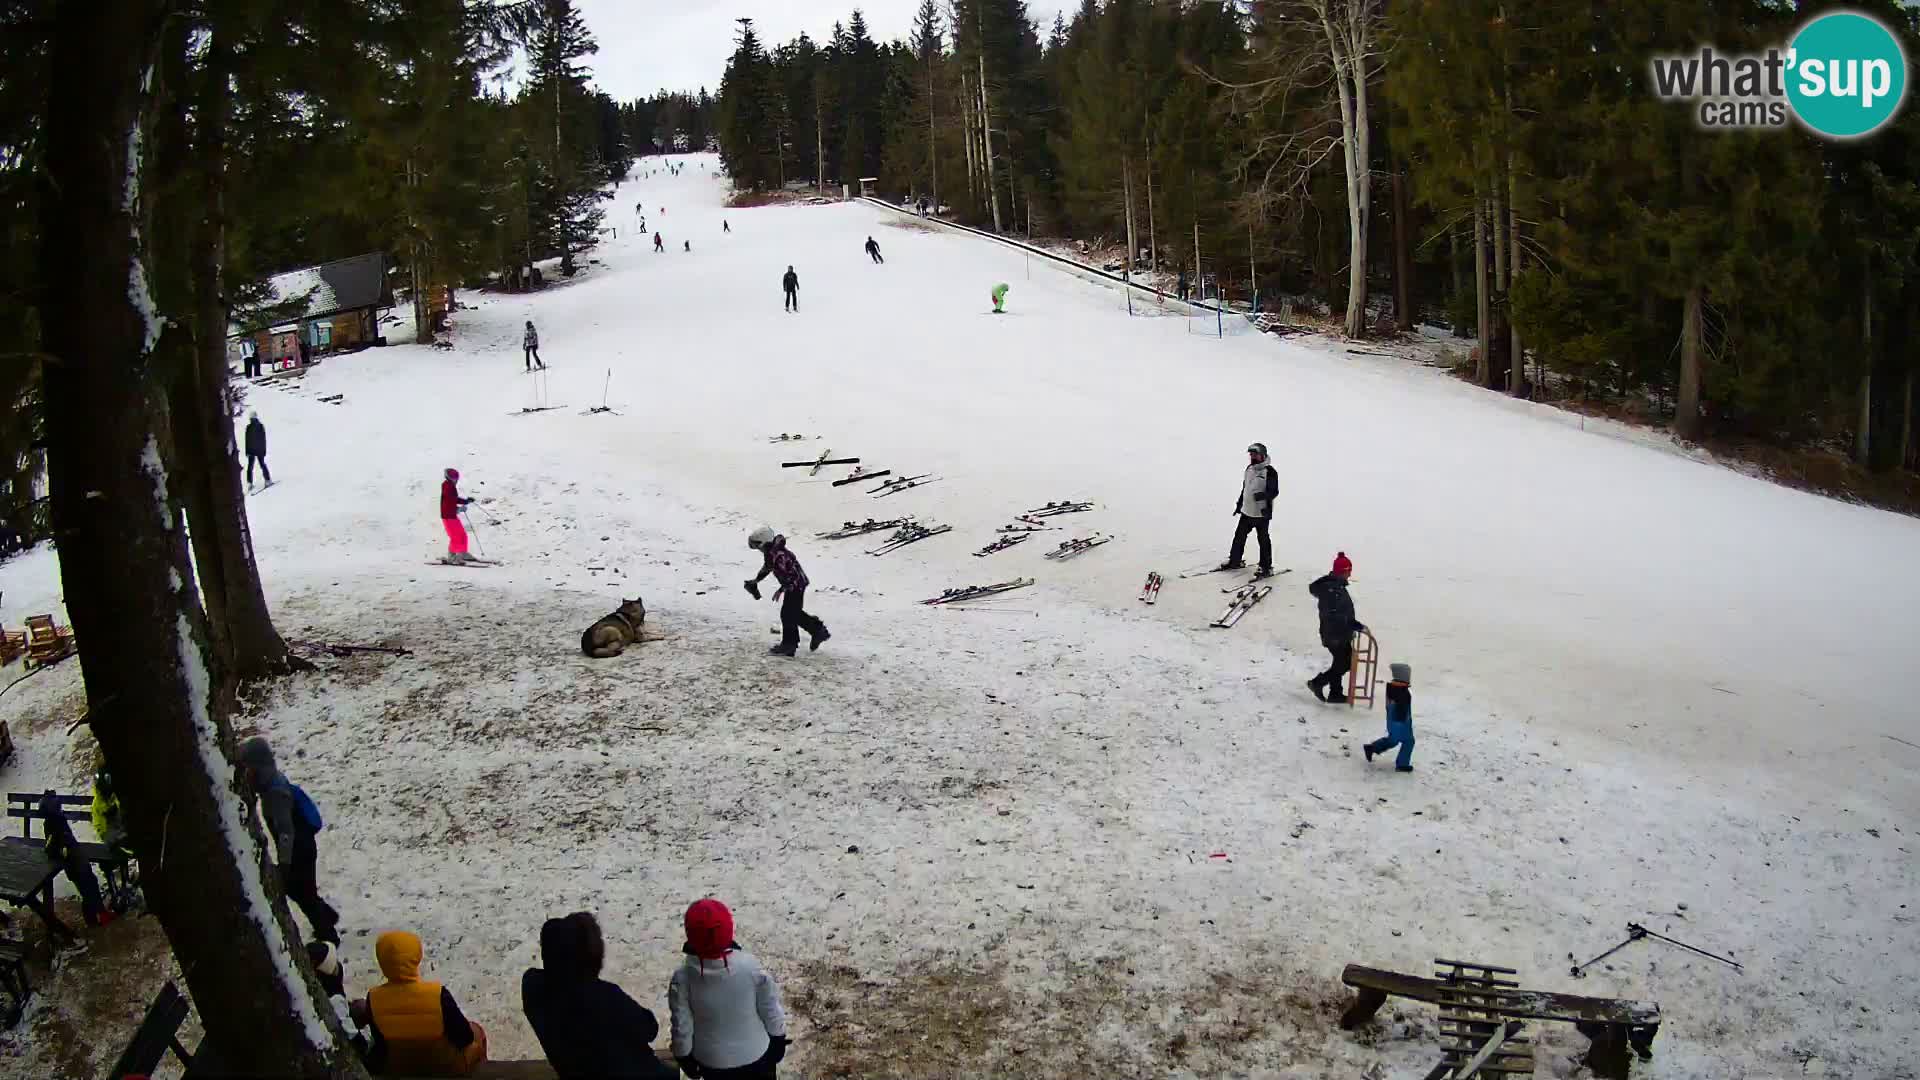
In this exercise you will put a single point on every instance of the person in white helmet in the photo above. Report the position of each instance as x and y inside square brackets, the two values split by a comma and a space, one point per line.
[1255, 509]
[781, 563]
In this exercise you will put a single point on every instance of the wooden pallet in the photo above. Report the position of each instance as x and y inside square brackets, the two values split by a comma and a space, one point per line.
[1479, 1033]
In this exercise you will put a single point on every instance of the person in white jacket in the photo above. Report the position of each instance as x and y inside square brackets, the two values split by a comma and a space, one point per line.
[725, 1008]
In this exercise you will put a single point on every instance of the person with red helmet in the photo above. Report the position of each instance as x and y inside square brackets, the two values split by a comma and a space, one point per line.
[450, 504]
[1337, 627]
[724, 1007]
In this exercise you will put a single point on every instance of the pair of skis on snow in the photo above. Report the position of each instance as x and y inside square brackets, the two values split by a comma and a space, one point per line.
[1069, 548]
[1002, 544]
[1244, 596]
[901, 483]
[826, 458]
[861, 528]
[910, 533]
[1055, 509]
[976, 592]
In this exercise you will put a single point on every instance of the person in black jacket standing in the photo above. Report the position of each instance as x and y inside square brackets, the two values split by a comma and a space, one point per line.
[1337, 627]
[257, 448]
[1255, 506]
[790, 284]
[589, 1028]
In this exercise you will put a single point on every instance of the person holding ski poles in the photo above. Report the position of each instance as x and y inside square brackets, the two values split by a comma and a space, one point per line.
[451, 503]
[530, 344]
[873, 251]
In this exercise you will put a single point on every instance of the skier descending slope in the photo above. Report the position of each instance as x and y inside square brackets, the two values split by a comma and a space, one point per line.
[999, 298]
[873, 251]
[450, 504]
[790, 284]
[785, 569]
[1255, 507]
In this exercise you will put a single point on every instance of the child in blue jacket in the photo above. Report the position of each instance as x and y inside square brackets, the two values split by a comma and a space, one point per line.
[1399, 719]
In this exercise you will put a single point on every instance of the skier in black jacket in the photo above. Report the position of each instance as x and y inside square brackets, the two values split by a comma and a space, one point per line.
[1254, 504]
[790, 284]
[1337, 627]
[257, 448]
[873, 251]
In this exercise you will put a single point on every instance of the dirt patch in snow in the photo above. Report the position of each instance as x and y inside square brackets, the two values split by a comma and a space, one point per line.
[911, 225]
[87, 1002]
[945, 1017]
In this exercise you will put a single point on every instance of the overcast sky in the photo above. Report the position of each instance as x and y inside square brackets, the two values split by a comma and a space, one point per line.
[649, 45]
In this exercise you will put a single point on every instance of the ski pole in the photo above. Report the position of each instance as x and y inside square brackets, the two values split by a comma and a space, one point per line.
[1637, 928]
[476, 535]
[1634, 933]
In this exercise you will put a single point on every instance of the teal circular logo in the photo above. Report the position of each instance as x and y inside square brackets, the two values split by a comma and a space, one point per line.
[1847, 74]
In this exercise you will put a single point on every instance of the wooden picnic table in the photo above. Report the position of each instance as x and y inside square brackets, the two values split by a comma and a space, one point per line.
[26, 880]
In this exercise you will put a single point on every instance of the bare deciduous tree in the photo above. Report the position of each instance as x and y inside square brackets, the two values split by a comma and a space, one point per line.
[1305, 89]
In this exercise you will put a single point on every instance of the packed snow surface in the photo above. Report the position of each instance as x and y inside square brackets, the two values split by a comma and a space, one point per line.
[1065, 833]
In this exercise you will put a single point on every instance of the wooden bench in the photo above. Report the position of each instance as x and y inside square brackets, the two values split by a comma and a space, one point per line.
[1618, 1028]
[46, 642]
[157, 1033]
[13, 981]
[112, 861]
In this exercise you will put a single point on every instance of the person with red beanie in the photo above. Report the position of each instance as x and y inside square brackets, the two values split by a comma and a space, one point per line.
[724, 1007]
[1337, 627]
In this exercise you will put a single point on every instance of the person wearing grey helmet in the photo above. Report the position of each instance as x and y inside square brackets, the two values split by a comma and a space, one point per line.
[1254, 506]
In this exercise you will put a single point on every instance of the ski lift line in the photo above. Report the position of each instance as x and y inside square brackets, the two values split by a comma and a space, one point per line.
[1070, 265]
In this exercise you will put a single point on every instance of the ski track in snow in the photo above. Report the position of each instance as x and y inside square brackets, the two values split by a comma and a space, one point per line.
[1640, 681]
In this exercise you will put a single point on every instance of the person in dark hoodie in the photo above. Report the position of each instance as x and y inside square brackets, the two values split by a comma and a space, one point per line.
[1258, 486]
[1337, 627]
[257, 448]
[63, 851]
[790, 285]
[295, 824]
[589, 1028]
[780, 562]
[727, 1019]
[873, 250]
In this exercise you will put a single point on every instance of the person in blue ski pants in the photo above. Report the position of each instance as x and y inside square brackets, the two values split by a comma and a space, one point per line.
[1399, 719]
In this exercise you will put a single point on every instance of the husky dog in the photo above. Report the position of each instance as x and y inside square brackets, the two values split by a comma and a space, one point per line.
[615, 632]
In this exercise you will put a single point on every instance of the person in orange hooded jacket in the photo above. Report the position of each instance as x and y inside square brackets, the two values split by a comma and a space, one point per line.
[417, 1029]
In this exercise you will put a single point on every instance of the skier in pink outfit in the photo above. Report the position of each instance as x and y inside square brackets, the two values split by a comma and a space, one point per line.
[450, 504]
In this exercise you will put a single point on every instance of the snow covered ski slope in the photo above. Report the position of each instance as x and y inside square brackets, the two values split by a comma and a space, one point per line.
[1063, 832]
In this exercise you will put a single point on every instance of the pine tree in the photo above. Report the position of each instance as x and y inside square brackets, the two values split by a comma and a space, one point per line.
[748, 114]
[561, 112]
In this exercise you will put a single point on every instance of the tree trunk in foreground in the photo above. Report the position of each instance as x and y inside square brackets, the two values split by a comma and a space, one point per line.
[123, 559]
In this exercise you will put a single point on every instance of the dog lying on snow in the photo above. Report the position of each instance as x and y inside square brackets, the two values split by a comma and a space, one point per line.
[611, 635]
